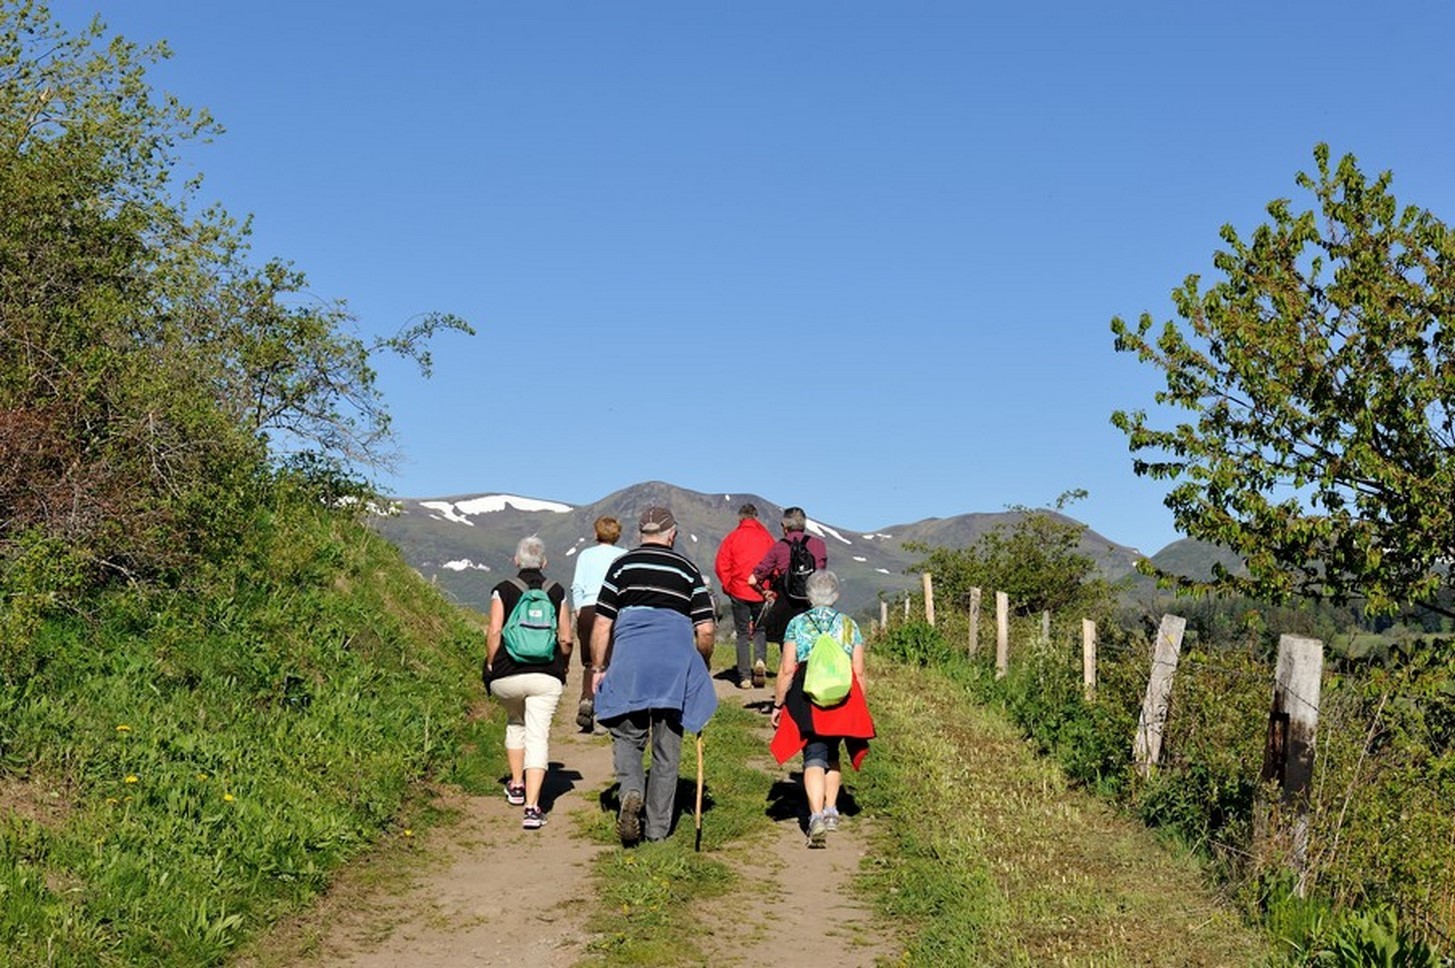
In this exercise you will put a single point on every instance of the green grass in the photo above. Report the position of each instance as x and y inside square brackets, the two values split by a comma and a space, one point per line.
[211, 759]
[651, 895]
[987, 857]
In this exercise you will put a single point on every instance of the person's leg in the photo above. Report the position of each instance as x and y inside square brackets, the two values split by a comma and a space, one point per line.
[662, 784]
[509, 693]
[628, 740]
[815, 764]
[833, 779]
[742, 616]
[585, 618]
[540, 708]
[760, 635]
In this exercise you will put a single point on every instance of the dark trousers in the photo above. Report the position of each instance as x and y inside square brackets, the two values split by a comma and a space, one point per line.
[751, 645]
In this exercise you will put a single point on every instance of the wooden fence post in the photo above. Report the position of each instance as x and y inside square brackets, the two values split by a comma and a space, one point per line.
[1288, 756]
[1046, 626]
[974, 621]
[907, 599]
[1002, 634]
[929, 583]
[1088, 658]
[883, 614]
[1147, 746]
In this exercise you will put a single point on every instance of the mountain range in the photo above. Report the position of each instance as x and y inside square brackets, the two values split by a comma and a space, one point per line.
[465, 543]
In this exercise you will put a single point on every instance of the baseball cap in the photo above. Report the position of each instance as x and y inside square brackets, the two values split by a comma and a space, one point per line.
[655, 520]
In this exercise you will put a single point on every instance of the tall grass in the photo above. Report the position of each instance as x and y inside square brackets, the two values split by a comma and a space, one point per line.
[183, 767]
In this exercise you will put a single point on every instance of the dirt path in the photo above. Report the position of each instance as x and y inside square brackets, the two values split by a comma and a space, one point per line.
[490, 893]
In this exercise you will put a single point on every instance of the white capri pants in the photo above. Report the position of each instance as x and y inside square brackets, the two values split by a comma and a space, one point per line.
[530, 700]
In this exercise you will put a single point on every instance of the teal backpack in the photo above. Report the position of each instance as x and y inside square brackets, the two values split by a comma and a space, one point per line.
[530, 631]
[830, 672]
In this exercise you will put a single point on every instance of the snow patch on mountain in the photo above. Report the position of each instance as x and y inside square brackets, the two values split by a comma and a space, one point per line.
[460, 511]
[824, 531]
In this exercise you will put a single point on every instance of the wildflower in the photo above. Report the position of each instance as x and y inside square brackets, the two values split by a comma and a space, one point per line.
[112, 800]
[202, 776]
[123, 728]
[228, 797]
[131, 778]
[408, 832]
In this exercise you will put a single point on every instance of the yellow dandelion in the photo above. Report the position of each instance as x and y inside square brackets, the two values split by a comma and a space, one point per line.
[228, 797]
[202, 776]
[408, 832]
[132, 778]
[126, 800]
[112, 800]
[123, 728]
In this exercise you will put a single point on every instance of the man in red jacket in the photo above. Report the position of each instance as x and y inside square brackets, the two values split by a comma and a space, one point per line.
[741, 550]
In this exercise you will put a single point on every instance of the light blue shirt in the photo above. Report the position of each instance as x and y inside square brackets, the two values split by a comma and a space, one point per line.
[591, 566]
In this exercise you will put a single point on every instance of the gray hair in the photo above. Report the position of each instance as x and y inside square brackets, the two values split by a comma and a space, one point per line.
[794, 519]
[531, 552]
[822, 588]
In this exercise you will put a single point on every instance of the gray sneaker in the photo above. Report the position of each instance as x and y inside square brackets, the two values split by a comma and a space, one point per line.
[629, 818]
[818, 832]
[831, 820]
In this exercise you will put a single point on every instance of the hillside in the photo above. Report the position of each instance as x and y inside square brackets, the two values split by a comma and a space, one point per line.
[464, 543]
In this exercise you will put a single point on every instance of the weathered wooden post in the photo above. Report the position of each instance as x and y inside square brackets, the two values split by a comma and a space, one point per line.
[1288, 755]
[1002, 634]
[1088, 658]
[1046, 626]
[1147, 746]
[929, 583]
[974, 621]
[883, 614]
[907, 599]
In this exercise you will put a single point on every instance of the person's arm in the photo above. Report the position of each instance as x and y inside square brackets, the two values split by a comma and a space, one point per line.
[787, 667]
[600, 640]
[857, 661]
[492, 634]
[578, 587]
[705, 632]
[565, 631]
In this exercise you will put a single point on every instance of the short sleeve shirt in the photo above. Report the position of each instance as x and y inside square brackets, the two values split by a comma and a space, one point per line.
[804, 629]
[655, 576]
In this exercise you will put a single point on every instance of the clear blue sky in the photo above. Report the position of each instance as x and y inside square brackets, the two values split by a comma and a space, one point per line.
[662, 217]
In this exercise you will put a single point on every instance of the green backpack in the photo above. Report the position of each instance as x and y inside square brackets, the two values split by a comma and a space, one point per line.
[530, 631]
[830, 672]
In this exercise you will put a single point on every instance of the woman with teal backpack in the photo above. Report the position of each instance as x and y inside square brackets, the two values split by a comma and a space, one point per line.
[819, 715]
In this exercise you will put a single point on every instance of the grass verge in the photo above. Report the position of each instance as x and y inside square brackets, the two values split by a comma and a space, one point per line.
[988, 858]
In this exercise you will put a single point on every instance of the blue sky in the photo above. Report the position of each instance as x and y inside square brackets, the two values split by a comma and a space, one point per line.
[668, 221]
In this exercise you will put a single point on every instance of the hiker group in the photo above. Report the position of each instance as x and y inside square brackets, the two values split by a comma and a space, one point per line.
[645, 628]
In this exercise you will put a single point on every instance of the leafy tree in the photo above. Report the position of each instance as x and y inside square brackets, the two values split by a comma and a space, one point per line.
[150, 373]
[1319, 373]
[1037, 562]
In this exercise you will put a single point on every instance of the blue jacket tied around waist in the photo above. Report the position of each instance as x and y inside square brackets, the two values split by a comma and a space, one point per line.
[655, 665]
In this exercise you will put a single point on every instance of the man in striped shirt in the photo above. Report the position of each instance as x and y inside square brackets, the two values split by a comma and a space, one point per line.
[658, 685]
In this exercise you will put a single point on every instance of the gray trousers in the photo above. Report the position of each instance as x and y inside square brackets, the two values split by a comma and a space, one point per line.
[629, 742]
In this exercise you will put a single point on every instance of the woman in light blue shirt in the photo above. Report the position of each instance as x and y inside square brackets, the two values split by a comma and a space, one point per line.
[591, 566]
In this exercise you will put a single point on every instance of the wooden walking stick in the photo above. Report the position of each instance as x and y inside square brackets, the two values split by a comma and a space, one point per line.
[697, 847]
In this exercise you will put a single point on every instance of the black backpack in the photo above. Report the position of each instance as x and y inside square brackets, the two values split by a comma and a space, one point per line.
[801, 564]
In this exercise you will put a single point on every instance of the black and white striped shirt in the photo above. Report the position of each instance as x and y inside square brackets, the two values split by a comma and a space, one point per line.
[655, 576]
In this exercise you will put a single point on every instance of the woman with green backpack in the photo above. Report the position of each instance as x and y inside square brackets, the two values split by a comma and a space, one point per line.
[821, 689]
[527, 652]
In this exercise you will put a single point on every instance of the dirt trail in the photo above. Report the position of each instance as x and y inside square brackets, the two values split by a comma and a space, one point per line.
[494, 894]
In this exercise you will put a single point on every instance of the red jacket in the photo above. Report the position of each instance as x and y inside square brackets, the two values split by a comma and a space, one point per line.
[740, 551]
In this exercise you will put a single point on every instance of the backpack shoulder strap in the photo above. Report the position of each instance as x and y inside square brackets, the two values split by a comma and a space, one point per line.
[515, 580]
